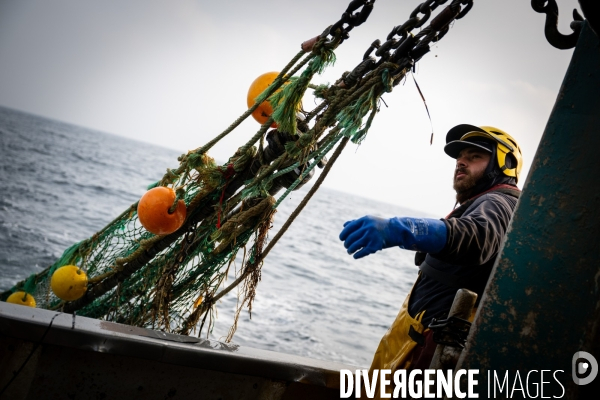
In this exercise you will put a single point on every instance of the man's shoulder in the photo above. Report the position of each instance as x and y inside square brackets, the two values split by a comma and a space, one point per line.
[494, 198]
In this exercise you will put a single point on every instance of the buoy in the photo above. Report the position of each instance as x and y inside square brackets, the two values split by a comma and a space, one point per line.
[69, 282]
[153, 211]
[21, 298]
[264, 110]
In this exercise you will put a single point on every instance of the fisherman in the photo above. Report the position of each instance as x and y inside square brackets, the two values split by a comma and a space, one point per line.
[452, 253]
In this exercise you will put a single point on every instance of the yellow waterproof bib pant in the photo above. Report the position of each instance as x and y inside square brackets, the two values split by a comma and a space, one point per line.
[396, 346]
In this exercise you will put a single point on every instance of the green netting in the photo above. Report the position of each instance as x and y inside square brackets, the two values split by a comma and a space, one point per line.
[172, 282]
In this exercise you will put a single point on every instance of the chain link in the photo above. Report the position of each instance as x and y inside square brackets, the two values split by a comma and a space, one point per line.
[401, 46]
[351, 19]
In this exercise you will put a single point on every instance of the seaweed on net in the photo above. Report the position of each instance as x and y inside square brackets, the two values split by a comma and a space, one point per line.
[172, 282]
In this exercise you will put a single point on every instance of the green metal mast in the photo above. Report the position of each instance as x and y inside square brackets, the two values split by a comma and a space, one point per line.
[542, 303]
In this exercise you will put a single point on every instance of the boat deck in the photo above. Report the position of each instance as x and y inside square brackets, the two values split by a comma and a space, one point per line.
[88, 358]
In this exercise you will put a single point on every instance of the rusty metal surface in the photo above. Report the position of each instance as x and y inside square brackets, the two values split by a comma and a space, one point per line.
[96, 346]
[542, 303]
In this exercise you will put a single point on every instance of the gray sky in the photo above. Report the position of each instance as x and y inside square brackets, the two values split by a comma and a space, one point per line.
[176, 73]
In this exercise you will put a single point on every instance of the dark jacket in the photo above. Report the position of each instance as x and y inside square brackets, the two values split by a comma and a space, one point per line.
[476, 230]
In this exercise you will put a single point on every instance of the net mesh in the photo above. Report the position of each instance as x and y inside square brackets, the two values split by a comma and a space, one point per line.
[171, 282]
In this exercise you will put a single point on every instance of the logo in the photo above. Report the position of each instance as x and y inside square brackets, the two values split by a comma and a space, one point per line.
[585, 368]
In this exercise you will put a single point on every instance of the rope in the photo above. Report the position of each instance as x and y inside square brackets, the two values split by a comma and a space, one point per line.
[281, 78]
[149, 280]
[306, 172]
[289, 221]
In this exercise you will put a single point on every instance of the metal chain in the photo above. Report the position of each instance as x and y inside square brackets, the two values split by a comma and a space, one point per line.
[351, 19]
[401, 46]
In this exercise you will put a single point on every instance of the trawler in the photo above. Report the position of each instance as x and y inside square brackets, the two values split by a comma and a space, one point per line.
[539, 311]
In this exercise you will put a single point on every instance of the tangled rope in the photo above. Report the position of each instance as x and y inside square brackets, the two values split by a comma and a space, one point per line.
[171, 282]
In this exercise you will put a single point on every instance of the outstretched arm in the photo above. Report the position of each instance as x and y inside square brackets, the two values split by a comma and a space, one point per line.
[369, 234]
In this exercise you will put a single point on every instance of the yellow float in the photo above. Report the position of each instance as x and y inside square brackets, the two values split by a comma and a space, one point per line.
[69, 283]
[21, 298]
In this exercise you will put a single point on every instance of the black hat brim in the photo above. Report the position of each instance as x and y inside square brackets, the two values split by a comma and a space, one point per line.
[454, 148]
[460, 130]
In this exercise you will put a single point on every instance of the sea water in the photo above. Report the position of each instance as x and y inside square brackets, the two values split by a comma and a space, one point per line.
[61, 183]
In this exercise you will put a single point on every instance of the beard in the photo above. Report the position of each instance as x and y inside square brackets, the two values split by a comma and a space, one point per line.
[465, 187]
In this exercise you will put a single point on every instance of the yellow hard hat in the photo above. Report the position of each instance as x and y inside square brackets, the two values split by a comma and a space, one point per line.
[508, 152]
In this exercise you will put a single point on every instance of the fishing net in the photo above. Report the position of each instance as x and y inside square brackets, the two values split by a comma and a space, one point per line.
[171, 282]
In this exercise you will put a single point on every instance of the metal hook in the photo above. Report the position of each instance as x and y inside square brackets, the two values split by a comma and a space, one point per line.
[554, 37]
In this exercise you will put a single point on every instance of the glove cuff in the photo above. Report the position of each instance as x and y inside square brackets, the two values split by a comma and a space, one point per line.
[420, 234]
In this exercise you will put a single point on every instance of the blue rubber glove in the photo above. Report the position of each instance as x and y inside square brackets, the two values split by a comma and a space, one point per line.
[370, 234]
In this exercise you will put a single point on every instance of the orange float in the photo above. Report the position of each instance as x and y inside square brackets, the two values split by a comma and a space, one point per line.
[264, 111]
[153, 211]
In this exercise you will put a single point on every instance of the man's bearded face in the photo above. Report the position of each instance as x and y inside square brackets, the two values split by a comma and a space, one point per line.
[470, 167]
